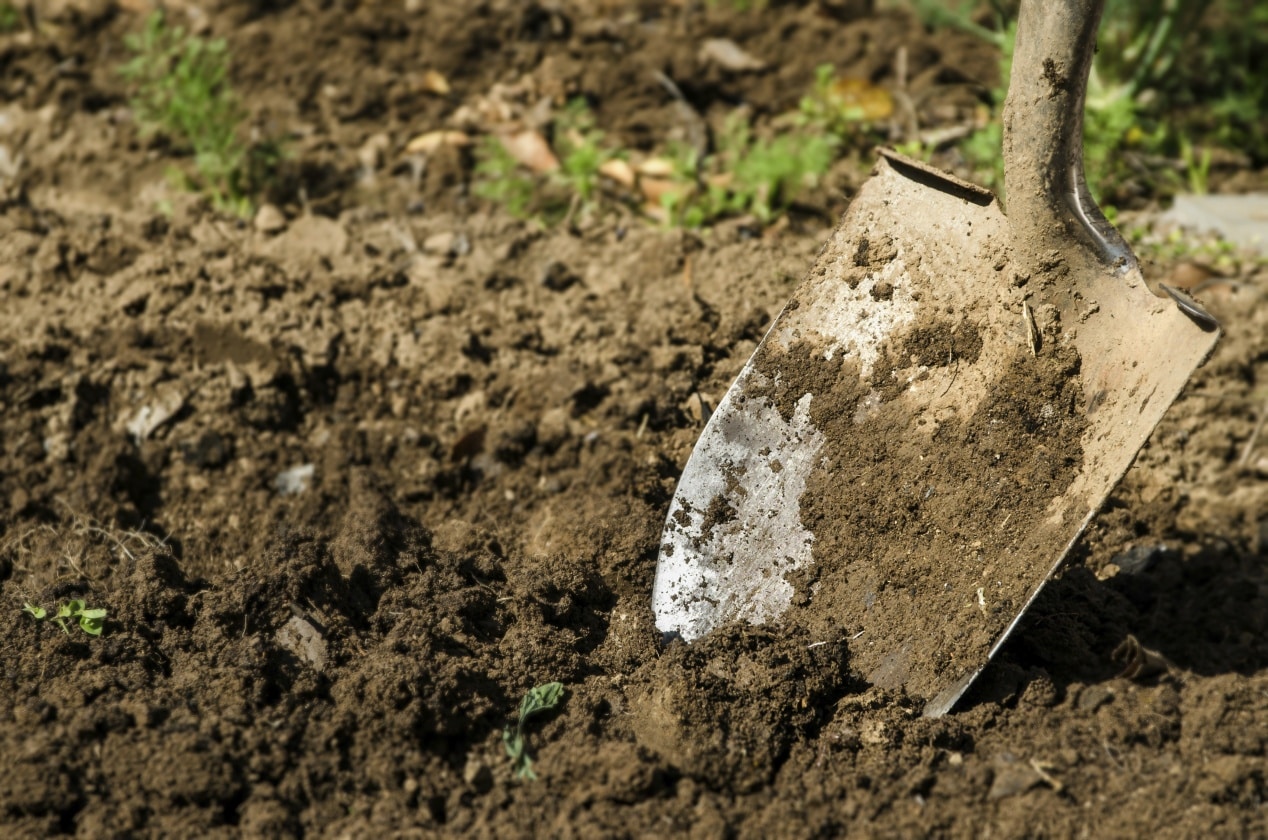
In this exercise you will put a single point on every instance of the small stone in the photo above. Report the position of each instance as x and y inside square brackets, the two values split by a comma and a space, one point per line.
[166, 403]
[729, 55]
[373, 151]
[1139, 559]
[1093, 697]
[268, 219]
[1012, 777]
[477, 774]
[699, 407]
[440, 243]
[305, 641]
[874, 733]
[294, 481]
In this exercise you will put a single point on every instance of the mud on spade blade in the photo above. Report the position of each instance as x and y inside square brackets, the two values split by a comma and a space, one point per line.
[939, 411]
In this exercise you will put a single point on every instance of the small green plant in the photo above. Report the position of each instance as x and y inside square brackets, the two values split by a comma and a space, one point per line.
[767, 175]
[500, 179]
[750, 175]
[183, 92]
[89, 620]
[569, 190]
[743, 5]
[581, 152]
[10, 17]
[1173, 246]
[538, 699]
[821, 109]
[1197, 167]
[844, 108]
[744, 174]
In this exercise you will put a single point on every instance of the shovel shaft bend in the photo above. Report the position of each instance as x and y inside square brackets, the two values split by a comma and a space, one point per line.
[1048, 197]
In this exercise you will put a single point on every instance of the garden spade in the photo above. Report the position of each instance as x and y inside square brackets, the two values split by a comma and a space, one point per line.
[941, 408]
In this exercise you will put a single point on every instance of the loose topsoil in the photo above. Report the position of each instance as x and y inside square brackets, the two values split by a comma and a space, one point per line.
[350, 486]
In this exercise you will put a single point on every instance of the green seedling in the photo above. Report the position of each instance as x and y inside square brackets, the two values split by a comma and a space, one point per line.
[823, 111]
[843, 108]
[570, 190]
[500, 179]
[538, 699]
[10, 18]
[743, 5]
[90, 621]
[581, 150]
[182, 91]
[744, 174]
[767, 175]
[1197, 167]
[761, 177]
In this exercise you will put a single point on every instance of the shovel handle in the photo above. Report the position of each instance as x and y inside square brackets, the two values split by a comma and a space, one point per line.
[1047, 192]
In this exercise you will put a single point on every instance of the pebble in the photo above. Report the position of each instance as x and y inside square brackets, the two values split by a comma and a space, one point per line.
[477, 774]
[440, 243]
[1093, 697]
[268, 219]
[373, 151]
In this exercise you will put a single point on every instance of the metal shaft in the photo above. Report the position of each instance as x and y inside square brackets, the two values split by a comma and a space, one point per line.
[1047, 193]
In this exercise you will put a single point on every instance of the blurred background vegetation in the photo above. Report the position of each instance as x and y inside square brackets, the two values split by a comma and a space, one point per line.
[1176, 102]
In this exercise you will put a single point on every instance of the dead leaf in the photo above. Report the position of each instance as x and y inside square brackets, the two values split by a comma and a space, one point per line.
[872, 103]
[721, 181]
[655, 211]
[656, 168]
[620, 171]
[434, 82]
[655, 189]
[728, 55]
[428, 143]
[530, 149]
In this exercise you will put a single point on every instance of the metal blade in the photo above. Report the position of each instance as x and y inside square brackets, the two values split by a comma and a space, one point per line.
[919, 438]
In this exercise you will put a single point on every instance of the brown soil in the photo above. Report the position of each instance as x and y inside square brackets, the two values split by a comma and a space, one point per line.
[495, 419]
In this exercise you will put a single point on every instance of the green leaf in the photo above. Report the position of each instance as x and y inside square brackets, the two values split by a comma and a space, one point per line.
[541, 698]
[524, 769]
[513, 743]
[182, 90]
[538, 699]
[38, 613]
